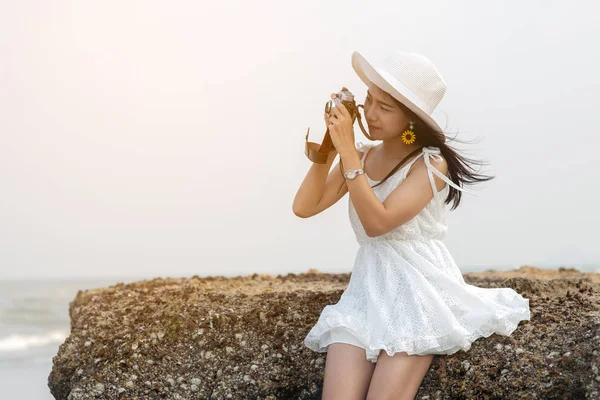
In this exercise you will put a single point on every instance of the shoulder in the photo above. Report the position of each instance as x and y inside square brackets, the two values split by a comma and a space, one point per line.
[362, 148]
[438, 162]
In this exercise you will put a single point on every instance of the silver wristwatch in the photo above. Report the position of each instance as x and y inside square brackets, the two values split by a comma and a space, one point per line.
[353, 173]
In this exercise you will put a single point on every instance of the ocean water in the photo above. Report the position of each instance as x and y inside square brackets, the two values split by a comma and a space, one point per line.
[34, 321]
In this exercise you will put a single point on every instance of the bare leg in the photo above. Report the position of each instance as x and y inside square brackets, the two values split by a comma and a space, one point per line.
[347, 373]
[398, 377]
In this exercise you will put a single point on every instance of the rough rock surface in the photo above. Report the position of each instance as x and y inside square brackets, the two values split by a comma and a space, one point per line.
[241, 338]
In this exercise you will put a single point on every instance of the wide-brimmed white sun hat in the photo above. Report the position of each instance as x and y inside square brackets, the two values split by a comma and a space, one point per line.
[410, 78]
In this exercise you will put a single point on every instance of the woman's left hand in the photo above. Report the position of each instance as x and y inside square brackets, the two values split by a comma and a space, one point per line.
[341, 130]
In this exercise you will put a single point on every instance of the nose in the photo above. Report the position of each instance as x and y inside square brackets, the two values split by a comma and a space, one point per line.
[370, 115]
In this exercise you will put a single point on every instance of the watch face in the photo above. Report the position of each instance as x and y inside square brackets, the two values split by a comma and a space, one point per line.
[351, 174]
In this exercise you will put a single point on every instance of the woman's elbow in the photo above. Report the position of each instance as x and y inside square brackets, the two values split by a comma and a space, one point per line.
[374, 231]
[378, 230]
[300, 214]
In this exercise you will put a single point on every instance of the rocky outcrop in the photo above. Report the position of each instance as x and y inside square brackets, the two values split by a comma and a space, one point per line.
[241, 338]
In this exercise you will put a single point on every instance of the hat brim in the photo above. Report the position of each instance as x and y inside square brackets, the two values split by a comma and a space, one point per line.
[374, 76]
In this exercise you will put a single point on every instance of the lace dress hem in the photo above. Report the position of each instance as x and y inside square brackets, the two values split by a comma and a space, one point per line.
[456, 339]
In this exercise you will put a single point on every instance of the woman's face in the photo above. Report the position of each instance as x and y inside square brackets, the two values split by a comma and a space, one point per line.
[385, 119]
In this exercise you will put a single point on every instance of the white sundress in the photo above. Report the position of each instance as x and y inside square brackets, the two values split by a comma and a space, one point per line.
[406, 293]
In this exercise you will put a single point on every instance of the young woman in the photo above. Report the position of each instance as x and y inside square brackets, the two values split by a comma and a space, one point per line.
[406, 300]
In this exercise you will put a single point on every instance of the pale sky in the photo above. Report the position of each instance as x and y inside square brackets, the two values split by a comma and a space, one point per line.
[154, 138]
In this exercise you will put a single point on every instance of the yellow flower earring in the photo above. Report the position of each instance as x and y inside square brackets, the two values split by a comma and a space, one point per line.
[408, 136]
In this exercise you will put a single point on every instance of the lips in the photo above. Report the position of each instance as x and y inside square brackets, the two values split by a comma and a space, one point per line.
[371, 127]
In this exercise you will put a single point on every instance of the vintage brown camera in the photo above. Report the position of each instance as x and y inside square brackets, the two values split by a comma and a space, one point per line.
[318, 153]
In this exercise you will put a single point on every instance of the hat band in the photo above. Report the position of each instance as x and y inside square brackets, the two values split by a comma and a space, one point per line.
[405, 91]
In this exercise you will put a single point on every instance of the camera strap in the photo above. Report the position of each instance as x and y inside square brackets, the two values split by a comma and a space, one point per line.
[318, 153]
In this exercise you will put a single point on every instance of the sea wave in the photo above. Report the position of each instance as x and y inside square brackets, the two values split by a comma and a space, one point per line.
[19, 342]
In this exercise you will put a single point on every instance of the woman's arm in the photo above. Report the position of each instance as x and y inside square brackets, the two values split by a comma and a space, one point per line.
[368, 207]
[313, 187]
[401, 205]
[411, 196]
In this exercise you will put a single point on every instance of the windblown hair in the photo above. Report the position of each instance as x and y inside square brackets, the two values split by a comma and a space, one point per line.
[460, 168]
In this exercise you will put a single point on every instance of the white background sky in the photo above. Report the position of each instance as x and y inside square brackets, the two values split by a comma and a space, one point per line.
[154, 138]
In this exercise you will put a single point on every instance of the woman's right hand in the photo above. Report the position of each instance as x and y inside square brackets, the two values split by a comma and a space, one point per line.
[325, 115]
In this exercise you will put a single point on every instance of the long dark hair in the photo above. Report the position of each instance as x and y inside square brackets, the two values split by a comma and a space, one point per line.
[460, 168]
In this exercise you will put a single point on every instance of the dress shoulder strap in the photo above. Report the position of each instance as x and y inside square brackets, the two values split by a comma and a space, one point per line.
[434, 152]
[364, 149]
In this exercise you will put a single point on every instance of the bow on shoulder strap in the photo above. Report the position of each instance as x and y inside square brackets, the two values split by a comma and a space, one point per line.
[434, 152]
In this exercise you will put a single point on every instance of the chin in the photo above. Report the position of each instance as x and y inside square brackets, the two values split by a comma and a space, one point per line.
[379, 135]
[376, 134]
